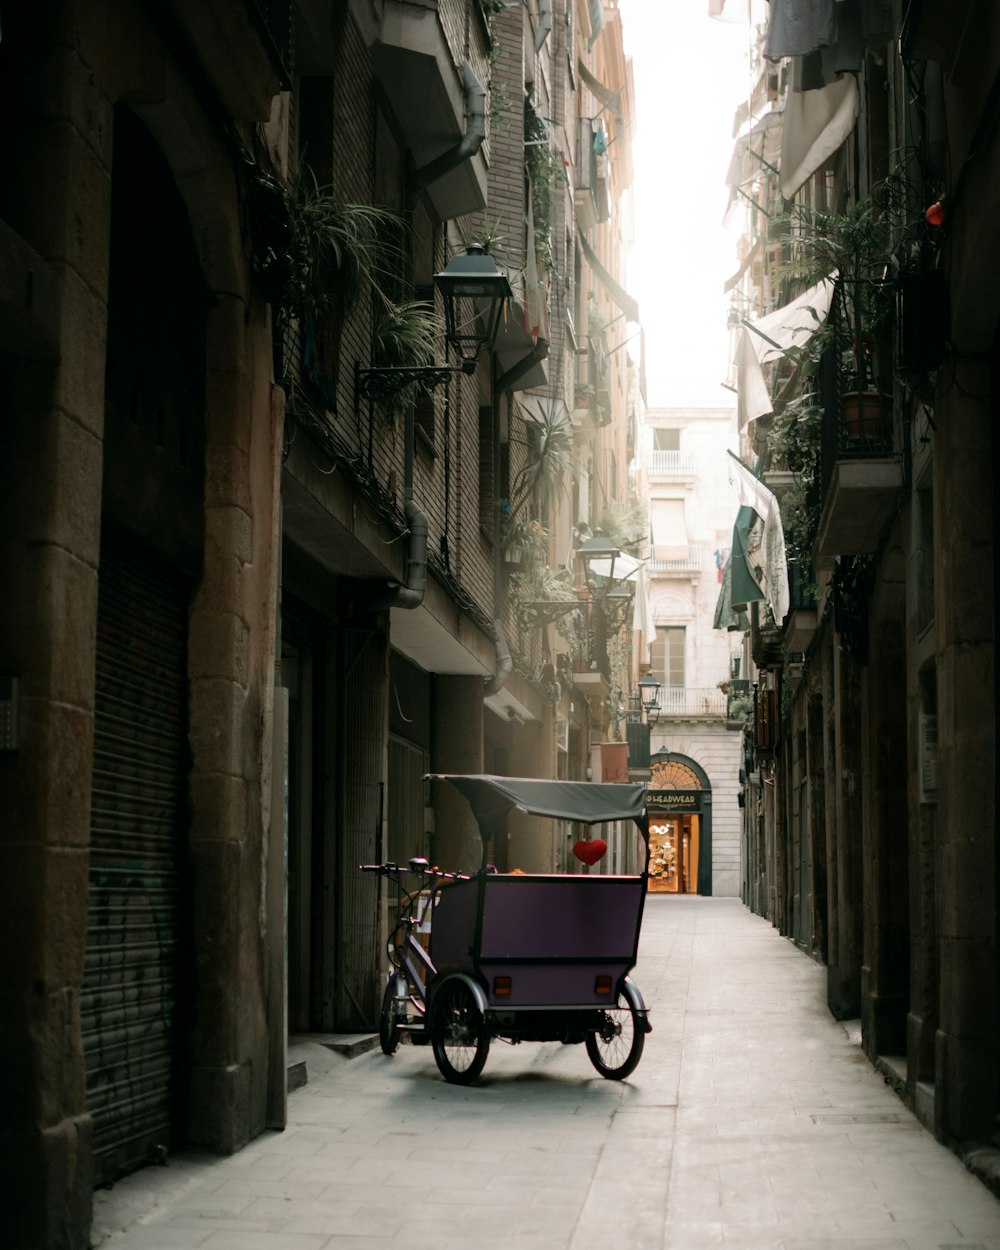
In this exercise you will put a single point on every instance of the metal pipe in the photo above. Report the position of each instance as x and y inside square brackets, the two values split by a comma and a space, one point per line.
[470, 142]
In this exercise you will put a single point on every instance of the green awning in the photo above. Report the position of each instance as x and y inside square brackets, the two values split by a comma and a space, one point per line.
[744, 588]
[589, 802]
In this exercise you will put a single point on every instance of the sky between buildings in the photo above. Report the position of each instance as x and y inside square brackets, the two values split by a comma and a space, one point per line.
[691, 71]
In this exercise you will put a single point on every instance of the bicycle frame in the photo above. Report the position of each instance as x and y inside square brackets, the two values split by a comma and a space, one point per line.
[411, 965]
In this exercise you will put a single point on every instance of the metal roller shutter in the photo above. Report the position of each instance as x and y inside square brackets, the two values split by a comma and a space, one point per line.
[129, 1004]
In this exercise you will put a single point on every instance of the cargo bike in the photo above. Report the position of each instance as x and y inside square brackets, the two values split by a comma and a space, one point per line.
[520, 956]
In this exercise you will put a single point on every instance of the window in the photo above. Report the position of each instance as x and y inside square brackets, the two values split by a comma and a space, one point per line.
[666, 440]
[668, 657]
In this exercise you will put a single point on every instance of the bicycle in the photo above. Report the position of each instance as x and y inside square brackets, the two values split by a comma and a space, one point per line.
[404, 1001]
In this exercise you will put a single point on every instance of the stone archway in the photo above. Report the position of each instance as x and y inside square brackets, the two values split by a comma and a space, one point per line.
[679, 803]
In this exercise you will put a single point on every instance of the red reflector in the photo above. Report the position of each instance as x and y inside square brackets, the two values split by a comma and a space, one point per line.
[501, 986]
[603, 985]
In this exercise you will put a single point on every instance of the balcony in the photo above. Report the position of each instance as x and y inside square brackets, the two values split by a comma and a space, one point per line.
[861, 500]
[860, 476]
[668, 466]
[691, 702]
[590, 191]
[691, 563]
[418, 71]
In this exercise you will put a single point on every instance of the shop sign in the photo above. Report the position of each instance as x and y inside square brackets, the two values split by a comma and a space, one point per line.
[673, 800]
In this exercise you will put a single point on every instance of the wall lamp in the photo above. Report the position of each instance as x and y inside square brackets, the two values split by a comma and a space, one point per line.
[649, 690]
[599, 547]
[475, 294]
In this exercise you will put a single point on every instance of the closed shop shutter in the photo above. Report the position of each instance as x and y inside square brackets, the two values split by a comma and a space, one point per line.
[362, 761]
[130, 993]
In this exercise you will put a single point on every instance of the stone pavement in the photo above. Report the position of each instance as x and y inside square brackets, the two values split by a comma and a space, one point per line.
[753, 1121]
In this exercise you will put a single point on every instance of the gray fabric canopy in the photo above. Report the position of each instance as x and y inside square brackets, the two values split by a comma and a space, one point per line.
[589, 802]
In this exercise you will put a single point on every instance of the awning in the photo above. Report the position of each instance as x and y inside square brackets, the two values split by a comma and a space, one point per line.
[643, 621]
[765, 553]
[492, 798]
[607, 97]
[625, 567]
[744, 588]
[618, 293]
[668, 529]
[817, 123]
[771, 337]
[759, 148]
[726, 615]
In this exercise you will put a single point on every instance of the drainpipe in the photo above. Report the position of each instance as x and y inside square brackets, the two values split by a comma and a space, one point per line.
[544, 23]
[470, 142]
[411, 593]
[504, 662]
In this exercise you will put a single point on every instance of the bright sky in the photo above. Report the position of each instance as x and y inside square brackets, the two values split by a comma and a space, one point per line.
[691, 72]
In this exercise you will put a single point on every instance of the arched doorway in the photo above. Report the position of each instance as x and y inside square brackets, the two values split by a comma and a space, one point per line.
[679, 805]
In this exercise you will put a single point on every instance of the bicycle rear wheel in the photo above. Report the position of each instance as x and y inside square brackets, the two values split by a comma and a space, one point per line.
[458, 1036]
[616, 1047]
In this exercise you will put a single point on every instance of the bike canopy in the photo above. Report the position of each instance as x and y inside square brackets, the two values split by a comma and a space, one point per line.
[589, 802]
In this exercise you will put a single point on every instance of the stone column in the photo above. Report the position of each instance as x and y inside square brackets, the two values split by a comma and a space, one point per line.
[58, 203]
[231, 662]
[965, 612]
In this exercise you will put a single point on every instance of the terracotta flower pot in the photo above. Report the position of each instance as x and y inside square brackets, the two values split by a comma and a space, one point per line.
[865, 416]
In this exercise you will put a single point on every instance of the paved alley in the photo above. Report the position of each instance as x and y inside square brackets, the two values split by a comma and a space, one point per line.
[753, 1121]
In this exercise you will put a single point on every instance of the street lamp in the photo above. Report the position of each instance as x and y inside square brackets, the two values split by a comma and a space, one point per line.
[599, 547]
[475, 294]
[649, 689]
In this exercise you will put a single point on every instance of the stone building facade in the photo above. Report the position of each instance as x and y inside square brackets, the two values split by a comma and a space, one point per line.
[252, 600]
[870, 833]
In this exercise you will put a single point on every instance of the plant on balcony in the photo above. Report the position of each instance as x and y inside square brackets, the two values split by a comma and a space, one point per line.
[793, 443]
[540, 594]
[524, 543]
[856, 247]
[625, 524]
[543, 174]
[739, 708]
[404, 335]
[342, 253]
[541, 481]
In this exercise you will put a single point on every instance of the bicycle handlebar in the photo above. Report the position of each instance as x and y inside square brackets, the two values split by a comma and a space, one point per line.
[389, 870]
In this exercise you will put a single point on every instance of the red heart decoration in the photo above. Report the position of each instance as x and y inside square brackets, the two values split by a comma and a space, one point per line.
[590, 852]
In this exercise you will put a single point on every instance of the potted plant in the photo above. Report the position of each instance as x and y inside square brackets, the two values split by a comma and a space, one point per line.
[342, 253]
[404, 334]
[855, 248]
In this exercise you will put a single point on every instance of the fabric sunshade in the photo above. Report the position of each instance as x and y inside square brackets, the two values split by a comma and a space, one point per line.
[618, 293]
[625, 567]
[758, 148]
[768, 338]
[668, 529]
[765, 553]
[608, 98]
[817, 124]
[589, 802]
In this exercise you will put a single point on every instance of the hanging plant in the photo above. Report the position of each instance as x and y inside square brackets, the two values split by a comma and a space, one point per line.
[404, 336]
[343, 253]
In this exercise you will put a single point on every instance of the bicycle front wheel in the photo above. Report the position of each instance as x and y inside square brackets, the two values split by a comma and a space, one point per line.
[458, 1034]
[616, 1047]
[389, 1031]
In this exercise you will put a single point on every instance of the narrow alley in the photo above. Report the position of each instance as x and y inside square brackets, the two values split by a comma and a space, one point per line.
[753, 1121]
